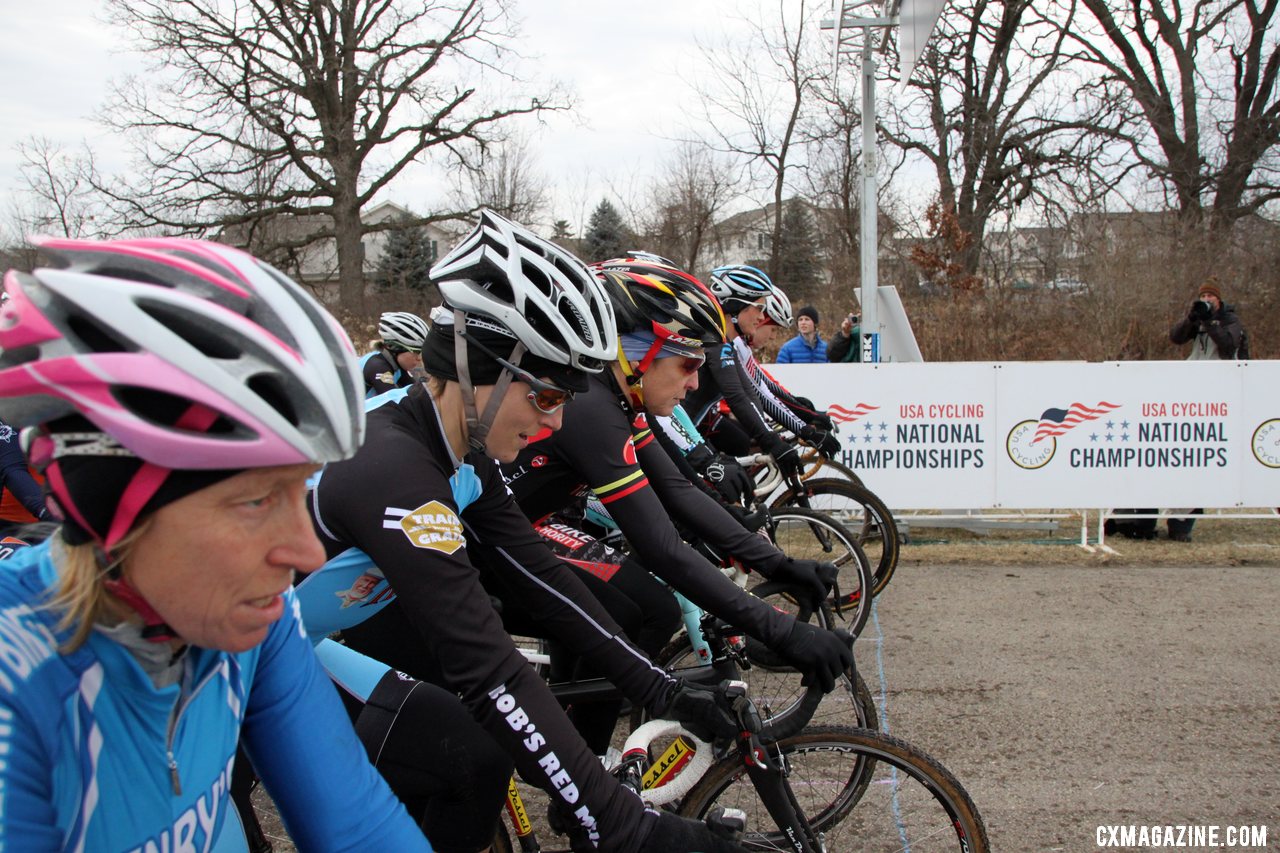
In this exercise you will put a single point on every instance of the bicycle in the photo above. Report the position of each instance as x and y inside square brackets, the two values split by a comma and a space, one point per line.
[816, 789]
[845, 499]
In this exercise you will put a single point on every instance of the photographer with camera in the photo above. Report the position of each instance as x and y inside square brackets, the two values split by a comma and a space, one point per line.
[1215, 332]
[847, 343]
[1212, 326]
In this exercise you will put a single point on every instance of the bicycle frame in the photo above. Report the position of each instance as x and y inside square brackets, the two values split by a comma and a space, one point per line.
[757, 745]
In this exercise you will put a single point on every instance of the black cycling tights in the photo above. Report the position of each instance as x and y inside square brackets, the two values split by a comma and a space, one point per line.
[449, 773]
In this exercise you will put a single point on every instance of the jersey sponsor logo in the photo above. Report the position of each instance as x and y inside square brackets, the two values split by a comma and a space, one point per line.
[385, 378]
[25, 643]
[362, 588]
[538, 461]
[433, 526]
[562, 534]
[194, 828]
[629, 452]
[6, 433]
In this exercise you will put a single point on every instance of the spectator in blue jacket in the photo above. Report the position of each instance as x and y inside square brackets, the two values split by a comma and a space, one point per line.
[808, 347]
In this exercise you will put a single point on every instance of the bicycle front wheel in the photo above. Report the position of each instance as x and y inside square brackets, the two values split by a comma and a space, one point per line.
[859, 509]
[913, 802]
[812, 535]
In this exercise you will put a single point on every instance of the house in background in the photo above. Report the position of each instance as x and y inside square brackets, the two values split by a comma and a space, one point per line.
[289, 242]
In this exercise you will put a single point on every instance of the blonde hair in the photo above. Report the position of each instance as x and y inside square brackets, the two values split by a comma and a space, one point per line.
[80, 594]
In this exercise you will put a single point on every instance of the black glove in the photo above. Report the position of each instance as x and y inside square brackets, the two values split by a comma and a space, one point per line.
[828, 445]
[813, 577]
[1200, 311]
[700, 456]
[822, 655]
[730, 479]
[672, 834]
[822, 421]
[701, 709]
[786, 455]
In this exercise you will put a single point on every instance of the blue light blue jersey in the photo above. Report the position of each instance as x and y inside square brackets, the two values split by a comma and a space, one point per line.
[93, 757]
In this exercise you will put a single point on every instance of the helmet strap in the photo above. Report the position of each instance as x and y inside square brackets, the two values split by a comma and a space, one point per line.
[478, 426]
[154, 628]
[634, 375]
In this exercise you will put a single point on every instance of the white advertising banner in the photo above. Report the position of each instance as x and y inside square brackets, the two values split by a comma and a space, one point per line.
[1043, 435]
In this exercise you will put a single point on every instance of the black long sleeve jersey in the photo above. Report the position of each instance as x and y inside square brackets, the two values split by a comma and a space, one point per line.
[419, 512]
[605, 448]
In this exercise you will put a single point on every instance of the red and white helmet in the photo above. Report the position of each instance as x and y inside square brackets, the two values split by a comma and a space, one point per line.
[125, 328]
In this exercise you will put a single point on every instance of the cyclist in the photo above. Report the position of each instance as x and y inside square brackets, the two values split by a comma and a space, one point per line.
[424, 505]
[754, 306]
[180, 393]
[21, 497]
[397, 357]
[605, 445]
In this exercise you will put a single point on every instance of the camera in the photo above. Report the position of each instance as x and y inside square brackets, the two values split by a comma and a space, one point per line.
[1201, 310]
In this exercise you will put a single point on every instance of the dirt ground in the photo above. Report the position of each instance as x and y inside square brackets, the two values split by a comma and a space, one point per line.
[1069, 690]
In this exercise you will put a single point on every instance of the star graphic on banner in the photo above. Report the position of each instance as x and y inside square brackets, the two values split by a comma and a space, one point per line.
[1111, 424]
[1124, 436]
[868, 426]
[1124, 425]
[1093, 436]
[883, 439]
[1110, 437]
[883, 426]
[867, 438]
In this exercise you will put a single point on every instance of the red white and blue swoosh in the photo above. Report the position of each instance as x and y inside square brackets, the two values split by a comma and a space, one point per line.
[1055, 422]
[841, 415]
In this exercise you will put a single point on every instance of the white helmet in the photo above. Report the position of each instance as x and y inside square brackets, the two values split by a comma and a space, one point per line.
[541, 293]
[777, 307]
[126, 328]
[402, 329]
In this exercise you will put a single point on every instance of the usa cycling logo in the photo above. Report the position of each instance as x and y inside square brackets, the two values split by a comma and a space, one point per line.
[1032, 443]
[841, 415]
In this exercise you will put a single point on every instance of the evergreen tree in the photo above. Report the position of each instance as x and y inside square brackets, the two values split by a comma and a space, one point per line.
[561, 230]
[795, 264]
[406, 260]
[607, 236]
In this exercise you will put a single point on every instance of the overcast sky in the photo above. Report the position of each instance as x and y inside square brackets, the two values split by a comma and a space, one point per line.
[626, 62]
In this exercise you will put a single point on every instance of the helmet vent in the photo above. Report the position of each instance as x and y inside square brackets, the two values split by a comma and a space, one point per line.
[94, 335]
[210, 341]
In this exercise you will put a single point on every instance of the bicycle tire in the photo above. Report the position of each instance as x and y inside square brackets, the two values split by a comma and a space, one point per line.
[780, 689]
[859, 509]
[809, 534]
[926, 812]
[837, 467]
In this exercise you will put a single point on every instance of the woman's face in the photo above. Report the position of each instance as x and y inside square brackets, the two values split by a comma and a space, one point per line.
[517, 421]
[214, 563]
[749, 319]
[667, 381]
[763, 334]
[409, 361]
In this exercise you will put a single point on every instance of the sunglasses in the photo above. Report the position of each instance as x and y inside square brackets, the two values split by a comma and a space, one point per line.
[692, 364]
[544, 396]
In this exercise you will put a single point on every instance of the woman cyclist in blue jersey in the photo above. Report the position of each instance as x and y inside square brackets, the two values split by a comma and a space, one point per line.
[420, 520]
[397, 358]
[178, 394]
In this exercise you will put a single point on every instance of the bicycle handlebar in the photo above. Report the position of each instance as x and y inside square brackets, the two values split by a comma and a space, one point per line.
[638, 744]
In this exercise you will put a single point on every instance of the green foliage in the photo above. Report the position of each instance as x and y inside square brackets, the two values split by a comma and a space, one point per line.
[406, 260]
[607, 236]
[795, 264]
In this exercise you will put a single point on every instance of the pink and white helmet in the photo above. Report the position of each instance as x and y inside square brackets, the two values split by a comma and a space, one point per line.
[124, 329]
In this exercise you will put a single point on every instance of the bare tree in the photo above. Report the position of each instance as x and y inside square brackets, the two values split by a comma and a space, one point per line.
[505, 178]
[57, 183]
[1201, 110]
[685, 203]
[763, 89]
[265, 108]
[992, 111]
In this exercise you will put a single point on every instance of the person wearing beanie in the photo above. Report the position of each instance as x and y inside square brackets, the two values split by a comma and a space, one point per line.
[1210, 326]
[1215, 333]
[176, 395]
[423, 536]
[808, 347]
